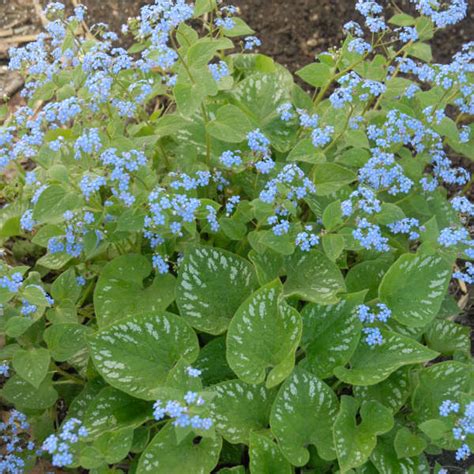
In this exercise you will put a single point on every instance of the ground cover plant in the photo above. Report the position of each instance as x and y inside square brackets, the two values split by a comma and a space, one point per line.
[210, 267]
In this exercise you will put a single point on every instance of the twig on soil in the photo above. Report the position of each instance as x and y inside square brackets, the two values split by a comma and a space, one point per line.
[39, 13]
[12, 87]
[22, 38]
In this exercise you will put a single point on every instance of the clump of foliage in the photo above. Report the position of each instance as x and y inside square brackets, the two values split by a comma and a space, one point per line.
[228, 271]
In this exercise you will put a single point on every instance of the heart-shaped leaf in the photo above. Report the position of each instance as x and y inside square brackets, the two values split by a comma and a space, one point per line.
[136, 354]
[314, 277]
[266, 457]
[356, 441]
[238, 408]
[414, 288]
[164, 455]
[120, 291]
[263, 334]
[372, 364]
[212, 283]
[32, 365]
[303, 413]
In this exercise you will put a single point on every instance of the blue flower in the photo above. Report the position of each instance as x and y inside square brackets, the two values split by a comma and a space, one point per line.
[219, 71]
[251, 42]
[370, 236]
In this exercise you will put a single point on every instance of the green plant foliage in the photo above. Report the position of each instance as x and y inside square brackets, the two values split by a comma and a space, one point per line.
[210, 265]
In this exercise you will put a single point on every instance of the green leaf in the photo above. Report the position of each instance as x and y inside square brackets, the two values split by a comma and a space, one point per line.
[333, 245]
[434, 429]
[414, 288]
[448, 337]
[421, 51]
[305, 151]
[213, 363]
[329, 177]
[230, 125]
[367, 276]
[32, 365]
[392, 392]
[443, 381]
[27, 397]
[238, 409]
[114, 446]
[303, 413]
[53, 202]
[65, 287]
[385, 459]
[120, 290]
[204, 6]
[112, 410]
[402, 19]
[313, 277]
[136, 354]
[408, 444]
[240, 28]
[315, 74]
[212, 283]
[165, 456]
[372, 364]
[259, 96]
[66, 340]
[332, 216]
[354, 440]
[268, 265]
[266, 457]
[263, 334]
[201, 52]
[330, 335]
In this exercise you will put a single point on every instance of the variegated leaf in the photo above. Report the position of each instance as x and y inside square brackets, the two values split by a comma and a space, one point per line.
[238, 408]
[212, 283]
[264, 334]
[164, 455]
[266, 457]
[372, 364]
[414, 288]
[136, 354]
[303, 413]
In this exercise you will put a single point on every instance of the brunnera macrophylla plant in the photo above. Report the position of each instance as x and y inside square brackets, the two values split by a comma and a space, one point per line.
[226, 271]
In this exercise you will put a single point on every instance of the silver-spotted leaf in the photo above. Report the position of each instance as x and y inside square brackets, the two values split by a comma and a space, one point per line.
[111, 410]
[414, 288]
[32, 365]
[212, 283]
[120, 291]
[303, 413]
[330, 334]
[264, 334]
[448, 337]
[266, 457]
[239, 408]
[392, 392]
[355, 440]
[136, 354]
[164, 455]
[372, 364]
[443, 381]
[314, 277]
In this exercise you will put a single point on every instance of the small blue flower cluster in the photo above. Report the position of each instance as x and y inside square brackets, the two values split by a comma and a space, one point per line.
[363, 199]
[370, 236]
[59, 446]
[466, 276]
[453, 14]
[225, 19]
[231, 204]
[307, 240]
[219, 70]
[382, 172]
[260, 146]
[76, 228]
[372, 12]
[462, 205]
[464, 426]
[350, 84]
[366, 316]
[89, 142]
[15, 445]
[251, 42]
[122, 166]
[12, 283]
[285, 190]
[408, 225]
[182, 412]
[285, 111]
[231, 158]
[4, 369]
